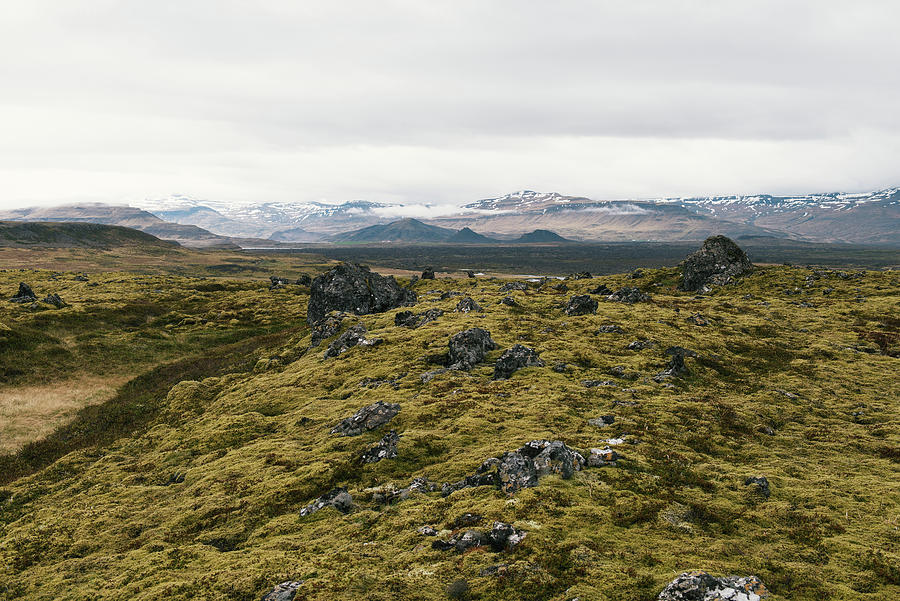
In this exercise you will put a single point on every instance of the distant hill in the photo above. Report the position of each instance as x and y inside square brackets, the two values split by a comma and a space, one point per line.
[404, 230]
[131, 217]
[32, 234]
[540, 236]
[467, 236]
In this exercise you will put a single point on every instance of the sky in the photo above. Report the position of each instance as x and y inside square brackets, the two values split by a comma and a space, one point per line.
[444, 102]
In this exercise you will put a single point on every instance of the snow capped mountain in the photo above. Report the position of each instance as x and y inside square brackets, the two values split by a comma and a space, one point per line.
[523, 200]
[835, 201]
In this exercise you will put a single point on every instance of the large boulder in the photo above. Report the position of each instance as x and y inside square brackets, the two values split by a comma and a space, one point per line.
[515, 358]
[717, 263]
[700, 586]
[354, 289]
[24, 295]
[367, 418]
[470, 347]
[581, 304]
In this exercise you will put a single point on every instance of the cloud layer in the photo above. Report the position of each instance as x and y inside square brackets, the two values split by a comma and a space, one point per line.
[445, 102]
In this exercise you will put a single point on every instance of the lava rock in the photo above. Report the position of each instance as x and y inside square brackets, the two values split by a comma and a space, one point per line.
[354, 336]
[504, 537]
[286, 591]
[508, 301]
[515, 471]
[602, 289]
[353, 288]
[581, 304]
[326, 327]
[415, 320]
[639, 345]
[603, 421]
[611, 329]
[515, 358]
[427, 531]
[428, 274]
[304, 280]
[338, 498]
[597, 383]
[560, 367]
[581, 275]
[761, 483]
[602, 457]
[510, 286]
[469, 347]
[277, 282]
[24, 295]
[700, 586]
[556, 458]
[628, 295]
[386, 448]
[55, 300]
[697, 319]
[717, 263]
[467, 305]
[675, 367]
[367, 418]
[469, 273]
[560, 287]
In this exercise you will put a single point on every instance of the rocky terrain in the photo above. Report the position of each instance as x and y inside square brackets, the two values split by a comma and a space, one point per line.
[716, 430]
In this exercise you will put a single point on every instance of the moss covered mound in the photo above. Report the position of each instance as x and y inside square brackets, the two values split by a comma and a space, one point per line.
[790, 375]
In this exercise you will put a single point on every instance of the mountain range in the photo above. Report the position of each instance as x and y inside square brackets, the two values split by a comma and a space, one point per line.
[864, 218]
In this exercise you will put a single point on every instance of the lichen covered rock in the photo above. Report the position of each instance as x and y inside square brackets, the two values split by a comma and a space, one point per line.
[700, 586]
[469, 347]
[717, 263]
[354, 289]
[515, 358]
[367, 418]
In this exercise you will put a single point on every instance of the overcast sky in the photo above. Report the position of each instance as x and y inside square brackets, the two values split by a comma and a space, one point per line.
[444, 102]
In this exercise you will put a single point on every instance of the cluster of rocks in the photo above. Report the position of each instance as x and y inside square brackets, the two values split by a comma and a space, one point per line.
[510, 286]
[326, 327]
[367, 418]
[286, 591]
[354, 289]
[387, 494]
[386, 448]
[408, 319]
[717, 263]
[675, 367]
[521, 468]
[581, 304]
[26, 294]
[354, 336]
[628, 295]
[501, 537]
[700, 586]
[338, 498]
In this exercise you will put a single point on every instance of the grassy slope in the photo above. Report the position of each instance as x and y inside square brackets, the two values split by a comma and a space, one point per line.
[102, 523]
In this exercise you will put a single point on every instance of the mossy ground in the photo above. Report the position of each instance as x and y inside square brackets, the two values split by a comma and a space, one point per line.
[805, 395]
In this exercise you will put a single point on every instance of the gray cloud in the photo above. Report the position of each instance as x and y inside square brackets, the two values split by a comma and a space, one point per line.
[443, 102]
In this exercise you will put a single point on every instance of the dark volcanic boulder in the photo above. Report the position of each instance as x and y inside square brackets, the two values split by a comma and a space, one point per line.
[428, 273]
[304, 280]
[467, 305]
[761, 483]
[355, 289]
[628, 295]
[326, 327]
[354, 336]
[501, 537]
[367, 418]
[470, 347]
[717, 263]
[510, 286]
[55, 300]
[700, 586]
[508, 301]
[338, 498]
[409, 319]
[24, 295]
[515, 471]
[504, 537]
[286, 591]
[515, 358]
[386, 448]
[675, 367]
[581, 304]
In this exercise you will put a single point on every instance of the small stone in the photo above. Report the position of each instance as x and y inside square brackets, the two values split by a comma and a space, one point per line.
[367, 418]
[286, 591]
[611, 329]
[628, 295]
[761, 483]
[467, 305]
[386, 448]
[338, 498]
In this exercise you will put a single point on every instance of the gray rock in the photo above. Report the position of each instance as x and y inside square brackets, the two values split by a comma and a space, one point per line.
[469, 347]
[603, 421]
[428, 273]
[510, 286]
[508, 301]
[628, 295]
[24, 295]
[597, 383]
[675, 368]
[304, 280]
[581, 304]
[354, 289]
[602, 290]
[354, 336]
[602, 457]
[367, 418]
[338, 498]
[560, 367]
[55, 300]
[467, 305]
[700, 586]
[427, 531]
[326, 327]
[639, 345]
[286, 591]
[611, 329]
[515, 358]
[386, 448]
[515, 471]
[761, 483]
[504, 537]
[697, 319]
[717, 263]
[501, 537]
[415, 320]
[556, 458]
[581, 275]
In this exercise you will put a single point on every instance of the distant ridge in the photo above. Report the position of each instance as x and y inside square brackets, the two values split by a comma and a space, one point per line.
[404, 230]
[467, 236]
[540, 236]
[31, 234]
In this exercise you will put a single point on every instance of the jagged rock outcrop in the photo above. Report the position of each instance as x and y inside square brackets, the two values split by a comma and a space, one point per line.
[515, 358]
[24, 295]
[326, 327]
[286, 591]
[55, 300]
[510, 286]
[338, 498]
[700, 586]
[501, 537]
[523, 467]
[408, 319]
[581, 304]
[428, 273]
[508, 301]
[386, 448]
[628, 295]
[467, 305]
[676, 367]
[354, 336]
[355, 289]
[469, 347]
[602, 290]
[717, 263]
[367, 418]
